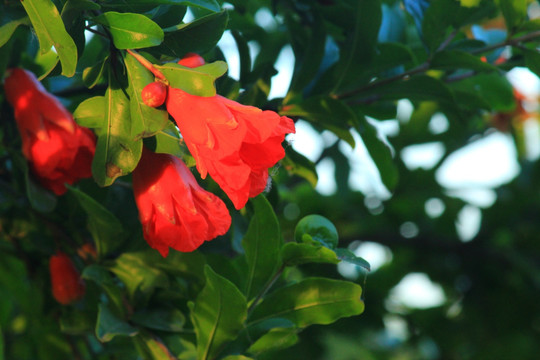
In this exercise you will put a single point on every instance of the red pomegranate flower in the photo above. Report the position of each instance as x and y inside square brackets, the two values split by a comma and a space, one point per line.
[234, 143]
[59, 151]
[66, 282]
[174, 210]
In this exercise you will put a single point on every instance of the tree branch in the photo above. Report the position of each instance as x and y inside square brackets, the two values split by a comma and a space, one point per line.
[425, 66]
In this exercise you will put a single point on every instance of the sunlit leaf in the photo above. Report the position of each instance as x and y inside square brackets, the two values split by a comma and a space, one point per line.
[7, 30]
[117, 153]
[275, 339]
[130, 30]
[145, 120]
[51, 31]
[198, 81]
[293, 254]
[311, 301]
[140, 278]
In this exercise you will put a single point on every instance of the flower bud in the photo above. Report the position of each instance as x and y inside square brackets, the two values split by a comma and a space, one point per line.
[66, 282]
[154, 94]
[191, 60]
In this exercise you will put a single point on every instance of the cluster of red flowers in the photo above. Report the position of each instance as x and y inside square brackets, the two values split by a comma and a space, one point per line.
[234, 143]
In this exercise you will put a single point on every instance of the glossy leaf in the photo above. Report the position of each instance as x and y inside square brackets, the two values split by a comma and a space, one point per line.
[293, 254]
[105, 228]
[117, 153]
[145, 120]
[130, 30]
[350, 257]
[261, 245]
[198, 36]
[140, 278]
[311, 301]
[90, 113]
[237, 357]
[218, 314]
[329, 113]
[109, 326]
[316, 229]
[92, 75]
[275, 339]
[51, 31]
[7, 30]
[197, 81]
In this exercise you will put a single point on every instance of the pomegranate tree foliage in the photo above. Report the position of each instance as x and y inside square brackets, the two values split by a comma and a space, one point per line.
[255, 292]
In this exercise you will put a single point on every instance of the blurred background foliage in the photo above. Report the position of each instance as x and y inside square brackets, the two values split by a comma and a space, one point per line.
[455, 260]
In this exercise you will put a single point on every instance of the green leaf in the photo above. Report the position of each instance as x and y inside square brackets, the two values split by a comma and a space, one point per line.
[92, 75]
[7, 30]
[109, 325]
[532, 59]
[40, 199]
[140, 278]
[293, 254]
[51, 31]
[168, 141]
[131, 31]
[457, 59]
[298, 164]
[348, 256]
[117, 153]
[105, 228]
[163, 319]
[198, 36]
[149, 348]
[316, 229]
[311, 301]
[419, 88]
[514, 12]
[218, 314]
[237, 357]
[361, 41]
[197, 81]
[211, 5]
[380, 152]
[261, 245]
[329, 113]
[90, 113]
[494, 88]
[102, 277]
[1, 345]
[145, 120]
[275, 339]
